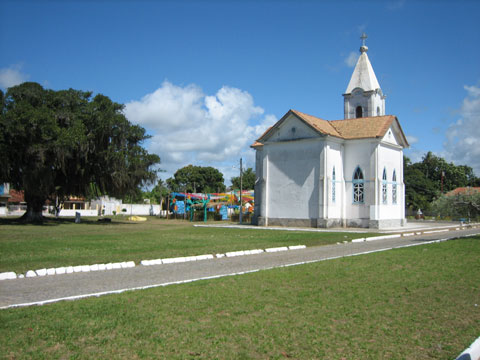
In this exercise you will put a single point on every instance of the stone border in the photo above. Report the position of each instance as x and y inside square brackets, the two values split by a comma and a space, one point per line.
[130, 264]
[67, 270]
[417, 232]
[219, 256]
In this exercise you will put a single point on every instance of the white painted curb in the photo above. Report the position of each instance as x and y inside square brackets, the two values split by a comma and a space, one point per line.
[472, 352]
[297, 247]
[383, 237]
[8, 275]
[277, 249]
[67, 270]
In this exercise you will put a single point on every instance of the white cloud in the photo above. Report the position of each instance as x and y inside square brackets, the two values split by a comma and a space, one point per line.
[12, 76]
[351, 59]
[463, 137]
[412, 139]
[190, 127]
[414, 154]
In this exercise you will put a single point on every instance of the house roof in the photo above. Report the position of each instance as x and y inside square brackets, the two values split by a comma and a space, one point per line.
[348, 129]
[363, 76]
[16, 196]
[463, 190]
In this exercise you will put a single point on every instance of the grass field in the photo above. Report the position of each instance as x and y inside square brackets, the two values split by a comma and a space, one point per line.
[421, 302]
[63, 243]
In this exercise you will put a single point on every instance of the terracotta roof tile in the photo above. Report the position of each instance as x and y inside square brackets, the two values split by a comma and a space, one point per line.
[16, 196]
[321, 125]
[256, 144]
[464, 190]
[362, 128]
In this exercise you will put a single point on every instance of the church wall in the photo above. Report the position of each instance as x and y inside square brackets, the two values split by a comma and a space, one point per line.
[391, 159]
[372, 103]
[390, 137]
[358, 153]
[333, 206]
[293, 176]
[357, 98]
[259, 186]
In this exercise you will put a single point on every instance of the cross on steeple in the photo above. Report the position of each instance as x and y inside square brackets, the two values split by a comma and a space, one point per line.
[364, 47]
[363, 37]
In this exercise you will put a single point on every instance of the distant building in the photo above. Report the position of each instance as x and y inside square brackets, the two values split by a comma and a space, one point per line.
[319, 173]
[464, 191]
[4, 196]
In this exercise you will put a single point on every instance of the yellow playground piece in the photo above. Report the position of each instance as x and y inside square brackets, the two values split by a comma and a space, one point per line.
[137, 218]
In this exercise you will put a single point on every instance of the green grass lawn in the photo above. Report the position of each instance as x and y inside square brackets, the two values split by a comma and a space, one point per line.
[421, 302]
[64, 243]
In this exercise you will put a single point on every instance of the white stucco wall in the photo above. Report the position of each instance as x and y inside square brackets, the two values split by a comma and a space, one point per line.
[390, 158]
[293, 129]
[372, 103]
[334, 158]
[292, 182]
[359, 153]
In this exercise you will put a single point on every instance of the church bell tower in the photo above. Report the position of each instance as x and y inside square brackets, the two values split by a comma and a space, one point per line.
[363, 97]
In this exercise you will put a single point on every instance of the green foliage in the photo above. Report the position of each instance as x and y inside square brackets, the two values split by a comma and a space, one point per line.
[248, 180]
[197, 179]
[135, 196]
[63, 143]
[419, 190]
[424, 180]
[159, 192]
[459, 206]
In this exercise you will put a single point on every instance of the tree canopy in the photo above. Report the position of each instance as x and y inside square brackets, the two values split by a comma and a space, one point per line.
[466, 206]
[424, 181]
[248, 180]
[197, 179]
[64, 143]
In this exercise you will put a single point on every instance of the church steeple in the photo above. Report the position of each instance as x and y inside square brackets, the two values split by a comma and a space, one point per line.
[363, 96]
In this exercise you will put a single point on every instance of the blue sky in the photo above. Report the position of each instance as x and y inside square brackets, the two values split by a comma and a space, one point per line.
[205, 78]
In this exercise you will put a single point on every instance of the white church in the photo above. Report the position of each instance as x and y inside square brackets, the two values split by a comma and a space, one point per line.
[341, 173]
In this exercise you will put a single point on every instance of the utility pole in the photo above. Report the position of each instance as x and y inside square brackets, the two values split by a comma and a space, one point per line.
[441, 182]
[241, 185]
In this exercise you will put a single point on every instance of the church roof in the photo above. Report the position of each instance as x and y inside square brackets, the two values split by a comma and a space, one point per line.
[363, 76]
[348, 129]
[362, 128]
[323, 126]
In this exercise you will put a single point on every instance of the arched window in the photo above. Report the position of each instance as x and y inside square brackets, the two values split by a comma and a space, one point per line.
[378, 110]
[359, 112]
[334, 195]
[358, 186]
[384, 186]
[394, 187]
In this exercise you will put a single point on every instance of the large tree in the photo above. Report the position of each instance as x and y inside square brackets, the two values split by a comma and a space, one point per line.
[425, 180]
[197, 179]
[248, 180]
[54, 144]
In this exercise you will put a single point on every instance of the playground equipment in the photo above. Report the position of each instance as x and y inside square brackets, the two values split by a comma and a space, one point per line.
[222, 204]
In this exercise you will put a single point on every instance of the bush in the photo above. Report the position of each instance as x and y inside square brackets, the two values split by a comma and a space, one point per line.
[461, 206]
